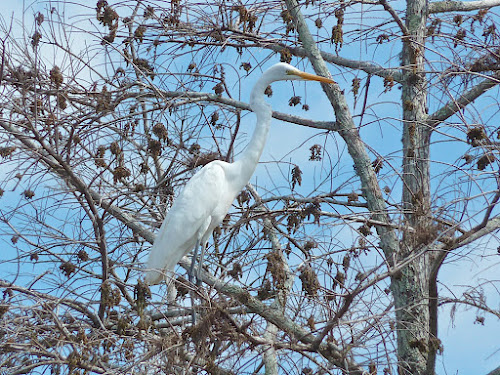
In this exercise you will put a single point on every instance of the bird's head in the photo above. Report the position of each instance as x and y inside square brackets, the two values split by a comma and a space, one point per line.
[286, 72]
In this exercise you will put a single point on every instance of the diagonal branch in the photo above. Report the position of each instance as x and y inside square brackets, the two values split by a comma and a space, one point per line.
[39, 296]
[495, 371]
[455, 105]
[474, 234]
[273, 45]
[348, 131]
[395, 16]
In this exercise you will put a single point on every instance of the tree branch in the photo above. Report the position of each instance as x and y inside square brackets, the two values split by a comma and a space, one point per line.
[199, 96]
[57, 166]
[495, 371]
[461, 6]
[348, 131]
[364, 66]
[455, 105]
[395, 16]
[78, 306]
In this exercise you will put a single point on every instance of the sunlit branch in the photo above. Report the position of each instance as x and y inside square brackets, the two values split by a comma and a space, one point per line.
[349, 133]
[461, 6]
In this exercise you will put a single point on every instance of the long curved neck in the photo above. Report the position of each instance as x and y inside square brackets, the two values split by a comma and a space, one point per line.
[249, 158]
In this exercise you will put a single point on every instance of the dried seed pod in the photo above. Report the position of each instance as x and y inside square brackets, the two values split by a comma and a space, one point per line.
[346, 262]
[356, 83]
[310, 283]
[388, 83]
[160, 131]
[285, 55]
[352, 197]
[67, 268]
[243, 197]
[219, 89]
[154, 147]
[56, 76]
[382, 38]
[139, 33]
[236, 272]
[476, 135]
[246, 66]
[35, 39]
[378, 164]
[296, 176]
[120, 173]
[82, 255]
[276, 268]
[459, 36]
[214, 118]
[115, 148]
[339, 279]
[7, 151]
[39, 19]
[294, 100]
[29, 193]
[315, 153]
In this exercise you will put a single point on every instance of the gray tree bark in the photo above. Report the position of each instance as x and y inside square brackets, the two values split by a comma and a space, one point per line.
[410, 287]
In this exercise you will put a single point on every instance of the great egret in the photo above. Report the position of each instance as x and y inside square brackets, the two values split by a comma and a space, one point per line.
[208, 195]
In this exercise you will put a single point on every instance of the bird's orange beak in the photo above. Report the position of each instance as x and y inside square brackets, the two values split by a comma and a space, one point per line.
[313, 77]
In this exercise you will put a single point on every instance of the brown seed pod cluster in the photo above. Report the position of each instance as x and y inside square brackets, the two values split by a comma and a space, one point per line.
[310, 282]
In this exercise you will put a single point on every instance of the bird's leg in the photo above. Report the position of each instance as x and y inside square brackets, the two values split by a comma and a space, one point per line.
[200, 264]
[190, 276]
[193, 261]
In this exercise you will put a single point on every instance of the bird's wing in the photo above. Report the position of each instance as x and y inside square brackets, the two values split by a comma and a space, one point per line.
[188, 220]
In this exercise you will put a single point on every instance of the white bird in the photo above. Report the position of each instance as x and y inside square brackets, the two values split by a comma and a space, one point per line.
[208, 195]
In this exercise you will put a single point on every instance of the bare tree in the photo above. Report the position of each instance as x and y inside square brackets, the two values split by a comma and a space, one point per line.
[327, 264]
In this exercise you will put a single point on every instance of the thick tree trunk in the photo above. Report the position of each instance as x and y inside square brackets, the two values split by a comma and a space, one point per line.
[411, 286]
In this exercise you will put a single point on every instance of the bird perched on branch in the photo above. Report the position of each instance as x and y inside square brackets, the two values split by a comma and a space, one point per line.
[208, 195]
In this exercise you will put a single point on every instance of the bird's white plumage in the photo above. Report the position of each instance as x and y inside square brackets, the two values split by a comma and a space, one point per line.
[208, 195]
[202, 206]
